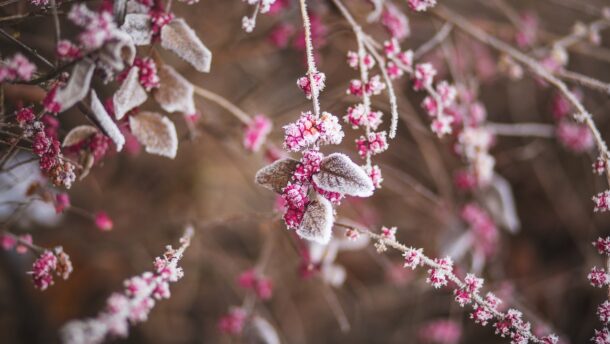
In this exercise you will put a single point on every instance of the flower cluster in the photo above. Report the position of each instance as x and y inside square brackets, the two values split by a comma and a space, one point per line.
[251, 280]
[256, 132]
[421, 5]
[98, 27]
[233, 322]
[484, 230]
[147, 73]
[262, 6]
[310, 130]
[134, 304]
[599, 278]
[19, 244]
[17, 68]
[49, 263]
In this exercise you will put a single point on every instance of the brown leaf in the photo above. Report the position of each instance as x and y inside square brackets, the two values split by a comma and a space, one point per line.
[78, 85]
[318, 221]
[174, 93]
[106, 122]
[178, 37]
[157, 133]
[276, 175]
[78, 134]
[137, 25]
[129, 95]
[339, 174]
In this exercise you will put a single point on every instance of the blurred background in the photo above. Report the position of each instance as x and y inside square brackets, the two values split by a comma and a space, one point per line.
[540, 268]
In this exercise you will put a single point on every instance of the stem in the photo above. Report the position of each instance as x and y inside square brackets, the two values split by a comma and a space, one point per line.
[522, 129]
[224, 103]
[311, 64]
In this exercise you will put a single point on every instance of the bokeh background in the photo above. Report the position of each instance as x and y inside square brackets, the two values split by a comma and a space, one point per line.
[541, 269]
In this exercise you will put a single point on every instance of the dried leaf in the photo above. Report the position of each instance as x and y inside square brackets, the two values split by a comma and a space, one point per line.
[499, 200]
[339, 174]
[259, 331]
[157, 133]
[174, 93]
[178, 37]
[106, 122]
[276, 175]
[317, 221]
[78, 85]
[79, 134]
[117, 52]
[129, 95]
[138, 26]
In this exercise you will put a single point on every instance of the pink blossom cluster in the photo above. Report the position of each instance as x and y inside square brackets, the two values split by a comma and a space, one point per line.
[98, 27]
[528, 30]
[372, 144]
[304, 83]
[18, 243]
[484, 230]
[233, 322]
[259, 284]
[102, 221]
[256, 132]
[575, 137]
[358, 117]
[17, 68]
[395, 22]
[440, 332]
[310, 130]
[598, 277]
[373, 87]
[134, 304]
[49, 263]
[147, 73]
[421, 5]
[67, 51]
[62, 202]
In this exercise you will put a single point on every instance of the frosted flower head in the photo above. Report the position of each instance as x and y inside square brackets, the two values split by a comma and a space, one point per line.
[304, 84]
[598, 277]
[601, 336]
[421, 5]
[256, 132]
[602, 201]
[302, 133]
[103, 221]
[373, 144]
[599, 166]
[574, 136]
[413, 258]
[603, 312]
[233, 322]
[374, 172]
[395, 22]
[423, 76]
[42, 270]
[391, 47]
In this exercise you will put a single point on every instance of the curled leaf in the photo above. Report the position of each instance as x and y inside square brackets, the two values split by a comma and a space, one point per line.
[129, 95]
[106, 122]
[78, 85]
[117, 52]
[317, 221]
[178, 37]
[138, 26]
[78, 134]
[339, 174]
[276, 175]
[174, 93]
[259, 331]
[157, 133]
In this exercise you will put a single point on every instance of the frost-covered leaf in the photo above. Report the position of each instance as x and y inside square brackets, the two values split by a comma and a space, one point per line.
[276, 175]
[118, 52]
[333, 274]
[178, 37]
[259, 331]
[174, 93]
[157, 133]
[339, 174]
[106, 123]
[119, 9]
[134, 6]
[87, 162]
[317, 221]
[78, 85]
[129, 95]
[78, 134]
[499, 200]
[138, 26]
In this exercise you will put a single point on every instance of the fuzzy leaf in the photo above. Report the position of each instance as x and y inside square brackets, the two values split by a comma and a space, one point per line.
[259, 331]
[78, 85]
[79, 134]
[178, 37]
[106, 122]
[317, 221]
[138, 26]
[174, 93]
[499, 200]
[117, 52]
[157, 133]
[129, 95]
[276, 175]
[135, 6]
[339, 174]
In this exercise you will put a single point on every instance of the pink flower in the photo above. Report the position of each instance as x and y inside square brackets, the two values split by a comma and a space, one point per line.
[603, 312]
[302, 133]
[421, 5]
[67, 50]
[391, 47]
[575, 137]
[62, 201]
[602, 201]
[256, 132]
[7, 242]
[42, 270]
[602, 245]
[103, 221]
[308, 166]
[526, 36]
[374, 143]
[394, 72]
[233, 322]
[388, 233]
[159, 19]
[598, 277]
[280, 35]
[375, 174]
[437, 276]
[440, 332]
[295, 196]
[395, 22]
[25, 116]
[406, 58]
[423, 76]
[480, 315]
[22, 248]
[20, 67]
[464, 180]
[148, 76]
[485, 232]
[601, 337]
[357, 117]
[305, 86]
[599, 166]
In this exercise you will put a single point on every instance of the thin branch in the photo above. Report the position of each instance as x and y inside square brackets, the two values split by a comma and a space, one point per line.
[522, 129]
[311, 64]
[224, 103]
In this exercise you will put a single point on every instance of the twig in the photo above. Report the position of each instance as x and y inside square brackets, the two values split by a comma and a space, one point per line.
[439, 37]
[224, 103]
[522, 129]
[311, 63]
[26, 48]
[584, 80]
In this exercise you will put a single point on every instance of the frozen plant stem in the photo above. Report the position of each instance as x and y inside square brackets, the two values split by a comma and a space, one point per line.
[311, 64]
[224, 103]
[522, 129]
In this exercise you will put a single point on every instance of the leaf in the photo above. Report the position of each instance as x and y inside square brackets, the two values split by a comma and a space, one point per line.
[259, 331]
[87, 162]
[138, 27]
[174, 93]
[317, 221]
[78, 134]
[178, 37]
[276, 175]
[500, 202]
[129, 95]
[78, 85]
[117, 52]
[339, 174]
[157, 133]
[106, 122]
